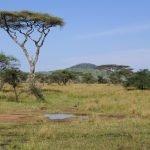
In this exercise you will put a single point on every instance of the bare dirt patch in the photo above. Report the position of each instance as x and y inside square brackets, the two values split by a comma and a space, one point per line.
[38, 115]
[29, 116]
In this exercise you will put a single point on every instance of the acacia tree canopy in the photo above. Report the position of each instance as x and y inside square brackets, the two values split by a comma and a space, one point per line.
[113, 67]
[18, 20]
[26, 23]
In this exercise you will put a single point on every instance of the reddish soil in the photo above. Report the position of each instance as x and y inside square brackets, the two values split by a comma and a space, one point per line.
[30, 116]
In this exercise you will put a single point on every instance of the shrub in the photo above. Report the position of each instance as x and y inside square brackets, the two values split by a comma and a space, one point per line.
[140, 80]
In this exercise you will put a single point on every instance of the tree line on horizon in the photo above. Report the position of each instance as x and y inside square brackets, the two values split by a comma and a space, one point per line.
[117, 74]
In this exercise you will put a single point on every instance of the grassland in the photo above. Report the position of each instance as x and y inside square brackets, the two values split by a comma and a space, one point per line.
[118, 119]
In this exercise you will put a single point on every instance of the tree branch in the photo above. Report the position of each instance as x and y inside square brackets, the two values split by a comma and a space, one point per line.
[42, 40]
[14, 38]
[30, 26]
[36, 55]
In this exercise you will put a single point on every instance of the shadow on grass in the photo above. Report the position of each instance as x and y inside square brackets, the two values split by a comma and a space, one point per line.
[3, 146]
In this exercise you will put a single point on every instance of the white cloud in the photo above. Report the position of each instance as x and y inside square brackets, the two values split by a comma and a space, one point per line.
[117, 31]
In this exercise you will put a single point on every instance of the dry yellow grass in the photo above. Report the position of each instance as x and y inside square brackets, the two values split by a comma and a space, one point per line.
[118, 119]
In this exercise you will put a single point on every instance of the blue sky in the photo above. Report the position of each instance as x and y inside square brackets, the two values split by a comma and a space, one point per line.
[95, 31]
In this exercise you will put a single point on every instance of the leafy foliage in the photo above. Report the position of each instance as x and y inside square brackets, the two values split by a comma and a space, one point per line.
[140, 80]
[95, 72]
[88, 78]
[62, 77]
[102, 80]
[120, 76]
[9, 72]
[12, 77]
[112, 67]
[17, 20]
[42, 77]
[7, 62]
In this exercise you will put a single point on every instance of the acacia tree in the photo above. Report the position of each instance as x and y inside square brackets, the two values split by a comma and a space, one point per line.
[12, 77]
[62, 77]
[27, 26]
[6, 62]
[113, 67]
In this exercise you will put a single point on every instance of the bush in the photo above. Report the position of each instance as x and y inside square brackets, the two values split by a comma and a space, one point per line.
[119, 77]
[140, 80]
[88, 78]
[62, 77]
[102, 80]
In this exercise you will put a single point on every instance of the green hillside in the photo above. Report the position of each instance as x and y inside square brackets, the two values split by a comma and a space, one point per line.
[84, 66]
[94, 72]
[88, 68]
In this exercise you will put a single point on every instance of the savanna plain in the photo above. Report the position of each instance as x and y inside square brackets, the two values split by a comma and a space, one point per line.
[117, 119]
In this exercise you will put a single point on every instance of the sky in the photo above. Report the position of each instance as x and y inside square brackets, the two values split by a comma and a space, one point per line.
[95, 31]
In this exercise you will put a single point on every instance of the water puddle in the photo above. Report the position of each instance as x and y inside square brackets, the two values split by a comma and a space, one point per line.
[65, 116]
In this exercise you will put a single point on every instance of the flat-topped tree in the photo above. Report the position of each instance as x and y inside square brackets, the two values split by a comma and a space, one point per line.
[113, 67]
[27, 23]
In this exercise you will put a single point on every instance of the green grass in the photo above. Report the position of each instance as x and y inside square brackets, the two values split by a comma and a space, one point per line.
[118, 119]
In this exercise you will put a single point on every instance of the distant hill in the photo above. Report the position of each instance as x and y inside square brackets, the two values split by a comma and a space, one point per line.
[84, 66]
[88, 68]
[94, 72]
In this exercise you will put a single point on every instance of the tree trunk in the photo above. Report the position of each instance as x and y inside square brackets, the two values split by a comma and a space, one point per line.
[1, 84]
[32, 86]
[16, 95]
[31, 78]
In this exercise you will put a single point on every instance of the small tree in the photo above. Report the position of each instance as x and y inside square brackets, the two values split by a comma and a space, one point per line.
[6, 62]
[62, 77]
[88, 78]
[102, 80]
[140, 80]
[42, 77]
[120, 76]
[32, 27]
[12, 77]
